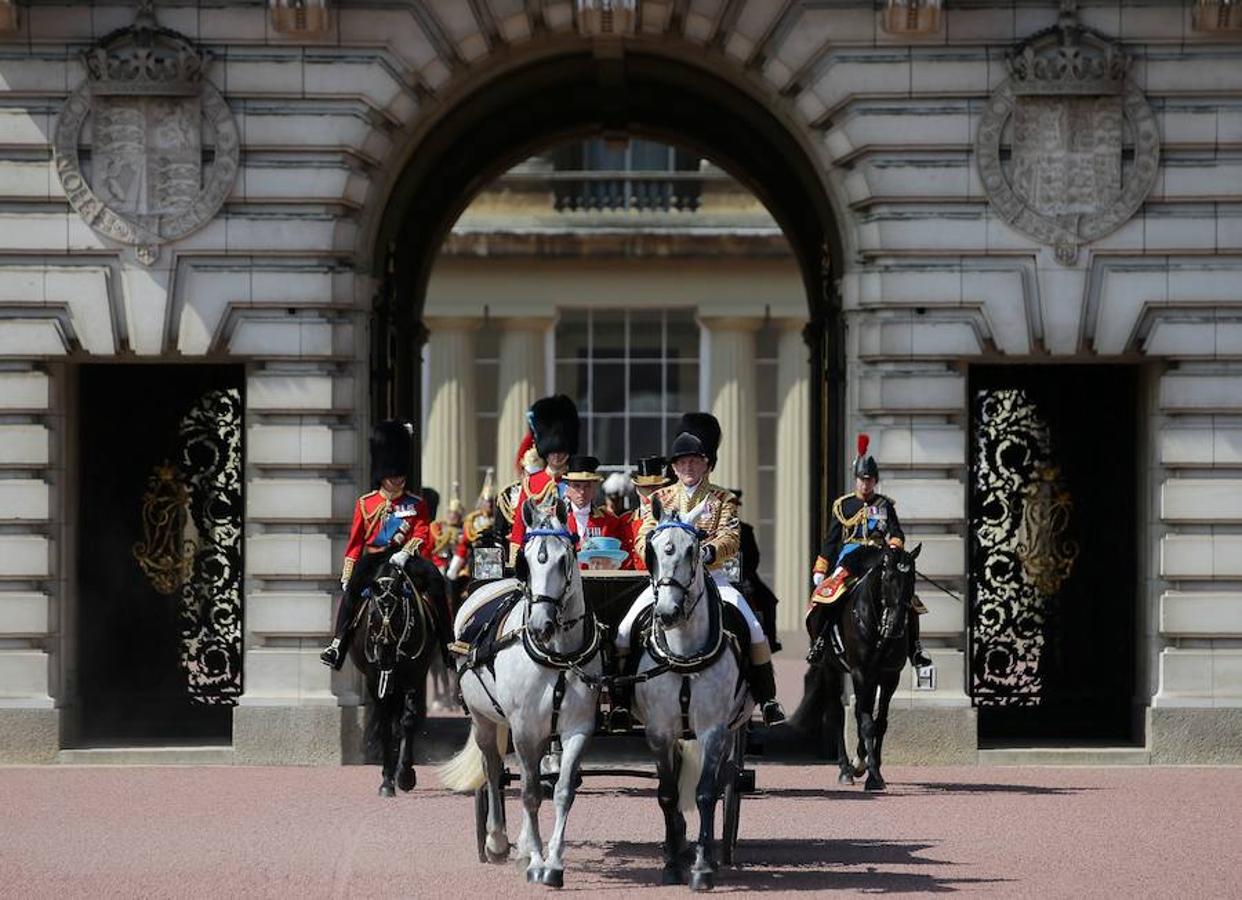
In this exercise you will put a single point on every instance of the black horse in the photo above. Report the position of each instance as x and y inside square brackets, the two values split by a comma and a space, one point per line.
[393, 645]
[865, 637]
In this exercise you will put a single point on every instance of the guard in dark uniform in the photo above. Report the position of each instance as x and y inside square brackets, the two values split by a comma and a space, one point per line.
[388, 520]
[860, 519]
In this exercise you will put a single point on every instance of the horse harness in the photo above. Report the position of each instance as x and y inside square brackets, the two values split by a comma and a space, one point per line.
[386, 635]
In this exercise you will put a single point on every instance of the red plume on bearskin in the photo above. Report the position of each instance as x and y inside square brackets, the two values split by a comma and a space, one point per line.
[864, 441]
[528, 441]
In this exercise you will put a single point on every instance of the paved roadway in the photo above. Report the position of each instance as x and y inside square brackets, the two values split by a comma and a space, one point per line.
[198, 831]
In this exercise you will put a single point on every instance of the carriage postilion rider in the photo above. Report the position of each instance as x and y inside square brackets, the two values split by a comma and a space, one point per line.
[862, 518]
[693, 456]
[588, 521]
[554, 424]
[387, 518]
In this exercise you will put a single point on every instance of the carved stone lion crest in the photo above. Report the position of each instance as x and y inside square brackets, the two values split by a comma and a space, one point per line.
[164, 146]
[1067, 148]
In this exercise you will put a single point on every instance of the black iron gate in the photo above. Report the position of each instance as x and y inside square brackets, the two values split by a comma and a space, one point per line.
[1052, 551]
[159, 552]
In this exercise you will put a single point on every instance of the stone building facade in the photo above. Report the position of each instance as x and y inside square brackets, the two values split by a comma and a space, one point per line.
[965, 215]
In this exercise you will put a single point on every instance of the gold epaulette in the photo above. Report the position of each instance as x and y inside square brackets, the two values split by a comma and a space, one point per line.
[508, 498]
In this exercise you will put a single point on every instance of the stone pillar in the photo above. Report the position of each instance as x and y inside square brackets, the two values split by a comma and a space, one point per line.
[449, 441]
[731, 343]
[793, 476]
[521, 374]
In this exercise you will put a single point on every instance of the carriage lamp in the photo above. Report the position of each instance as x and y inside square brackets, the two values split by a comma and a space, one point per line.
[1217, 15]
[924, 678]
[487, 564]
[912, 16]
[607, 17]
[300, 17]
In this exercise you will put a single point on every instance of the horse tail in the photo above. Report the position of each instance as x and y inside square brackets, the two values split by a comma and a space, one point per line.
[691, 753]
[465, 772]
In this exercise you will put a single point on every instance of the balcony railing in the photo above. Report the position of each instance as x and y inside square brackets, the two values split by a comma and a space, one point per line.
[619, 191]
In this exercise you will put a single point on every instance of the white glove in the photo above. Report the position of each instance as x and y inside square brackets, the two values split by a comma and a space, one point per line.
[344, 582]
[818, 577]
[399, 558]
[454, 568]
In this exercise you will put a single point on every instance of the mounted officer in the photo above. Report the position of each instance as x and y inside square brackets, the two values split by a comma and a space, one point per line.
[859, 519]
[388, 520]
[554, 425]
[693, 456]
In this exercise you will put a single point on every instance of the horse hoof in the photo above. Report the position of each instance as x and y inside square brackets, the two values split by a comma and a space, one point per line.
[702, 881]
[533, 875]
[496, 858]
[554, 878]
[672, 875]
[387, 790]
[406, 779]
[845, 778]
[875, 784]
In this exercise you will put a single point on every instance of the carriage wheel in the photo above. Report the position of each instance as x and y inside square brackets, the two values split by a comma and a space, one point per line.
[733, 797]
[480, 821]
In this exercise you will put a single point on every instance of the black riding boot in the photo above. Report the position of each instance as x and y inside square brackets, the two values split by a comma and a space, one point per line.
[918, 656]
[334, 654]
[763, 689]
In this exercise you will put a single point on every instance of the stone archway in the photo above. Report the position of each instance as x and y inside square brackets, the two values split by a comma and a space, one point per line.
[582, 88]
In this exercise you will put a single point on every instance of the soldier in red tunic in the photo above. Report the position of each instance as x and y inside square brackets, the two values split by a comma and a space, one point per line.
[581, 481]
[389, 524]
[651, 475]
[554, 424]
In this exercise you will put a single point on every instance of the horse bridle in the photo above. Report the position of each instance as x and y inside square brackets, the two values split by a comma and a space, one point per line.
[887, 621]
[558, 603]
[386, 636]
[669, 581]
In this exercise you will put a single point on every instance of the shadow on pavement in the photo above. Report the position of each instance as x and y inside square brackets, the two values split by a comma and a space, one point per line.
[798, 865]
[1031, 790]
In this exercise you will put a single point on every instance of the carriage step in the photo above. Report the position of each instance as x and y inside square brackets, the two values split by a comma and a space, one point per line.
[1065, 756]
[147, 756]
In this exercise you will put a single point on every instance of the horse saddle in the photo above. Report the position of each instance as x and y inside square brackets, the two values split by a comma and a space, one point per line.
[479, 630]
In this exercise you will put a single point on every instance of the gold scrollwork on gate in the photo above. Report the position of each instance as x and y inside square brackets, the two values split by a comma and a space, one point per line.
[165, 554]
[1047, 554]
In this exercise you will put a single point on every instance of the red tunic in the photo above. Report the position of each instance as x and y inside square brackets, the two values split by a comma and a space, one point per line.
[633, 521]
[381, 522]
[535, 487]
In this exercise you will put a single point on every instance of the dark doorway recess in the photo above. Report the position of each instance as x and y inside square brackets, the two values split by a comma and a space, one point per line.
[626, 91]
[1057, 664]
[138, 682]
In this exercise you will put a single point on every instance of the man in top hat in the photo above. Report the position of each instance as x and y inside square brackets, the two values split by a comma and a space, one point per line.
[554, 425]
[586, 520]
[693, 456]
[446, 532]
[479, 527]
[649, 477]
[389, 523]
[861, 518]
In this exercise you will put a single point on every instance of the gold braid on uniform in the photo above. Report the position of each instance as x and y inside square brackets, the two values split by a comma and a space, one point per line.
[850, 526]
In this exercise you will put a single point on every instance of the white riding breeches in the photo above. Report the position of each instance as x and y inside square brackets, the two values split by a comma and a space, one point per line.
[728, 592]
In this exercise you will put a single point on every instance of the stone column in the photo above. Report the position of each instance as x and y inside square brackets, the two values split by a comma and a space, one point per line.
[521, 374]
[731, 349]
[793, 476]
[449, 442]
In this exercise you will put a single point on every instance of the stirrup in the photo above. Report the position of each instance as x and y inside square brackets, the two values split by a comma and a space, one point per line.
[919, 658]
[773, 712]
[331, 656]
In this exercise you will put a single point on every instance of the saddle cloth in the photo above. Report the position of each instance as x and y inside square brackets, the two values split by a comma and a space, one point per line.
[483, 617]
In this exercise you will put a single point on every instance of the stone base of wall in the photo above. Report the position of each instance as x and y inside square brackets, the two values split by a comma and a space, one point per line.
[1180, 736]
[29, 736]
[930, 736]
[297, 735]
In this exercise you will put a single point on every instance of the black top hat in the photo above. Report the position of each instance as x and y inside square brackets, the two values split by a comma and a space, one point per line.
[554, 423]
[652, 471]
[582, 468]
[392, 445]
[698, 434]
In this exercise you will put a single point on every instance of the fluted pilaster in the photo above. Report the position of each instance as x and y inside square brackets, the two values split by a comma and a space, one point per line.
[793, 476]
[449, 444]
[731, 343]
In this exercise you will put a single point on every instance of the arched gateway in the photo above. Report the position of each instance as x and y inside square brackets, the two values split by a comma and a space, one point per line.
[968, 216]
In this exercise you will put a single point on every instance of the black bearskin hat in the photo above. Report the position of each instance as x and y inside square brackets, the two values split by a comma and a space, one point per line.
[392, 445]
[698, 434]
[554, 423]
[865, 465]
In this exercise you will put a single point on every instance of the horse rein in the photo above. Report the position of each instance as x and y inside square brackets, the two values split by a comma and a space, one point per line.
[669, 581]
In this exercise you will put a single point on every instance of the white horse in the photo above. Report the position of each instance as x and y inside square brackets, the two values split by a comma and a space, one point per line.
[534, 688]
[693, 682]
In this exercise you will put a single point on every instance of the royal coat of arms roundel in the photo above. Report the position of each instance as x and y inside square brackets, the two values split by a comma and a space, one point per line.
[1067, 148]
[164, 145]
